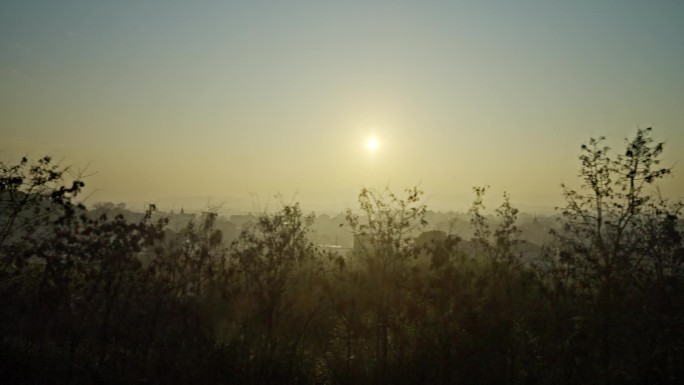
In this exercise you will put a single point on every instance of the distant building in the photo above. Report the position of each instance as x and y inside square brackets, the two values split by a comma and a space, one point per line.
[244, 221]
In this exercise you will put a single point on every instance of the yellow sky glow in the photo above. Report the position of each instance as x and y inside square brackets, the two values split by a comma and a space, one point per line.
[318, 99]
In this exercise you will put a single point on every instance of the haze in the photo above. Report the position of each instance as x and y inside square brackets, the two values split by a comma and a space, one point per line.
[170, 101]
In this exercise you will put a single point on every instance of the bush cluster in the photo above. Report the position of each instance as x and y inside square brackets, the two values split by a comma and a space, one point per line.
[103, 300]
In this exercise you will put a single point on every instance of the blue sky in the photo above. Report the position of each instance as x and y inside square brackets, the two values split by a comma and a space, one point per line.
[173, 99]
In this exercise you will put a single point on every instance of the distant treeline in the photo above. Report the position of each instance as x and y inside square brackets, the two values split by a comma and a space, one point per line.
[330, 231]
[97, 297]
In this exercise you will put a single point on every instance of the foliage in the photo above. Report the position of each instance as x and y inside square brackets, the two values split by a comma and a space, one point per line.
[616, 242]
[499, 246]
[32, 193]
[89, 298]
[273, 262]
[602, 222]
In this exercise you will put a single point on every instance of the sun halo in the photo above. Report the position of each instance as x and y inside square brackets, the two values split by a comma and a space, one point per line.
[372, 144]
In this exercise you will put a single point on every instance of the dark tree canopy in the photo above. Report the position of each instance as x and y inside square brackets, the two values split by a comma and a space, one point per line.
[101, 296]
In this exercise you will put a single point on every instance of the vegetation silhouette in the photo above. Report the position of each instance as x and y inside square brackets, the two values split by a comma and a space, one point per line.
[90, 298]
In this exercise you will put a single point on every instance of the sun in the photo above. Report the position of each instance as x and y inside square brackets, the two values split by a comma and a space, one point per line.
[372, 144]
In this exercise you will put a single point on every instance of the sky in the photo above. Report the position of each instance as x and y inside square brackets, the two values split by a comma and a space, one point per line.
[184, 103]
